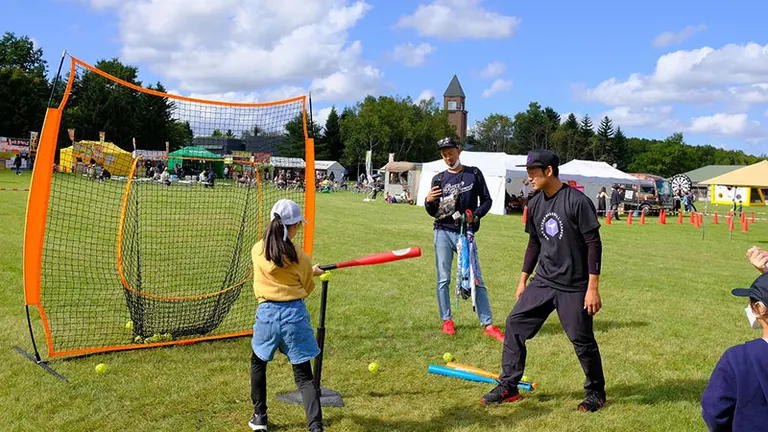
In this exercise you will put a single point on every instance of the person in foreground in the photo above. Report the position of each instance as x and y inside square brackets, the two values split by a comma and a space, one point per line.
[454, 191]
[565, 242]
[282, 278]
[736, 396]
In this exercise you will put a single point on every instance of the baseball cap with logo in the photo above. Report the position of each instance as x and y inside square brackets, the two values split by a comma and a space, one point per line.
[289, 211]
[758, 290]
[541, 159]
[447, 143]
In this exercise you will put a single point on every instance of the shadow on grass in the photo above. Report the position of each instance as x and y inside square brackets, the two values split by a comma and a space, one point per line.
[599, 326]
[470, 413]
[675, 390]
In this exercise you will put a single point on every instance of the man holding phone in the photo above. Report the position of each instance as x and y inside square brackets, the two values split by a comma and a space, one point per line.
[454, 192]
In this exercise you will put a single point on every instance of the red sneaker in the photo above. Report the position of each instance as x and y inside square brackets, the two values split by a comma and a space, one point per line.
[494, 332]
[448, 327]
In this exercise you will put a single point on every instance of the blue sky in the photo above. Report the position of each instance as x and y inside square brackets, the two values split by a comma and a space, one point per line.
[592, 58]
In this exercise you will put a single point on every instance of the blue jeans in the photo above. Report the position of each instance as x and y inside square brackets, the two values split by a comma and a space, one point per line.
[445, 248]
[284, 325]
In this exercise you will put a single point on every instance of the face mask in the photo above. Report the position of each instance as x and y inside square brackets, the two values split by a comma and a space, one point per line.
[752, 318]
[456, 164]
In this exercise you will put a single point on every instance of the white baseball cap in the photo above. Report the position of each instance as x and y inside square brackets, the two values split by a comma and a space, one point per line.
[289, 211]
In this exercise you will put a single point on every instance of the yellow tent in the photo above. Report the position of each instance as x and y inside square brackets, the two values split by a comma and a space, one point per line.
[748, 185]
[106, 154]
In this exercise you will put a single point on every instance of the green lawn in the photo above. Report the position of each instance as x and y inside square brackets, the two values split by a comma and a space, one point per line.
[668, 316]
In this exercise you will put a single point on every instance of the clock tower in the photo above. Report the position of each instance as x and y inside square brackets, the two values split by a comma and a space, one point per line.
[453, 103]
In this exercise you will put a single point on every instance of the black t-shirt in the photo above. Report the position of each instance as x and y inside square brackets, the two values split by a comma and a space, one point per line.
[560, 222]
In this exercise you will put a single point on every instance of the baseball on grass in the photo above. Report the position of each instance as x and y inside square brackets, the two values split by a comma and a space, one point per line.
[373, 367]
[129, 325]
[101, 368]
[447, 357]
[525, 378]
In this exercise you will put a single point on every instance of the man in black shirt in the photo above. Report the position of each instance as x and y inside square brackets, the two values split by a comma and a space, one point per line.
[565, 242]
[454, 192]
[615, 201]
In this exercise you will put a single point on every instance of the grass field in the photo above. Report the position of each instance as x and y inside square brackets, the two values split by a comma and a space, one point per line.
[668, 316]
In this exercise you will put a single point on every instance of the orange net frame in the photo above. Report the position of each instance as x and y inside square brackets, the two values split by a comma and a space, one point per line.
[124, 252]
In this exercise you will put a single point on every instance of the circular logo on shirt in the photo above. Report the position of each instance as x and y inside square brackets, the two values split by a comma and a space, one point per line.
[551, 226]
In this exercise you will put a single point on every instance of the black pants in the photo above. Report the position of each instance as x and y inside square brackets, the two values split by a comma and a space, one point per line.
[527, 317]
[302, 374]
[615, 211]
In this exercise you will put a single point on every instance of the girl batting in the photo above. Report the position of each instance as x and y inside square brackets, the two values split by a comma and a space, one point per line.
[282, 278]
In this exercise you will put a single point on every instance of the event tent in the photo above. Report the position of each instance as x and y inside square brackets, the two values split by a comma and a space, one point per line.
[499, 169]
[330, 167]
[748, 184]
[195, 152]
[106, 154]
[593, 175]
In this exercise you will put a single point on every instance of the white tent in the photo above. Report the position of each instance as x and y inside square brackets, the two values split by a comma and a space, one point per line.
[499, 171]
[593, 175]
[287, 162]
[330, 167]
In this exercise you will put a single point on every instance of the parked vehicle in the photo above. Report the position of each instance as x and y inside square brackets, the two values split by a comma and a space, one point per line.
[651, 194]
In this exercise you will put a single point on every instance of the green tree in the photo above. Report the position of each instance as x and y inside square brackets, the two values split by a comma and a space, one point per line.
[619, 148]
[532, 129]
[495, 133]
[601, 143]
[553, 117]
[23, 86]
[294, 144]
[332, 136]
[566, 141]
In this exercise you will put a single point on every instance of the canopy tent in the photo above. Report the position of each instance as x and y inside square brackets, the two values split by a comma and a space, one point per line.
[593, 175]
[183, 155]
[397, 174]
[287, 162]
[755, 175]
[748, 185]
[330, 167]
[116, 160]
[499, 169]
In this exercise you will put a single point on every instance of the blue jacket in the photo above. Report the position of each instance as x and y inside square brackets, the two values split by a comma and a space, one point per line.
[736, 397]
[473, 195]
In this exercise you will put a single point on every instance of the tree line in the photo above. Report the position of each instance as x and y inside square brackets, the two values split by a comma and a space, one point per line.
[383, 124]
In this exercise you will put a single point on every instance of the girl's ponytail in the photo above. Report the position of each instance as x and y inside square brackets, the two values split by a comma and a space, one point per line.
[278, 248]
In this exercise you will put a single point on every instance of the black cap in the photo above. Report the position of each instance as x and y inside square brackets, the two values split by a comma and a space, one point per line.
[541, 159]
[758, 290]
[446, 142]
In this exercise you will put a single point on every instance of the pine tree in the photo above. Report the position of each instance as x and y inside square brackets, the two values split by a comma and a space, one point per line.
[334, 146]
[620, 147]
[601, 145]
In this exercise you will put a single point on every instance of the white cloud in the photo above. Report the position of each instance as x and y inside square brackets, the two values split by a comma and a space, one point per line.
[668, 38]
[321, 116]
[412, 55]
[459, 19]
[652, 117]
[499, 85]
[733, 73]
[727, 125]
[249, 45]
[729, 81]
[493, 69]
[425, 95]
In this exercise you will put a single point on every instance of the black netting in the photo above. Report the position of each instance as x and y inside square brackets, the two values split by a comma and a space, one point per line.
[157, 249]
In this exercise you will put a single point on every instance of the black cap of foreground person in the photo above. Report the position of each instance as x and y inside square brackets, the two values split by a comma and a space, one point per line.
[541, 159]
[758, 290]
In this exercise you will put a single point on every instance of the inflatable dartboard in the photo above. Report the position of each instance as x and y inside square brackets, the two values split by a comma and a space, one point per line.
[681, 183]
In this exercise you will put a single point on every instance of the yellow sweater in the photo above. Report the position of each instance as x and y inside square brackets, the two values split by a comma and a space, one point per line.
[293, 281]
